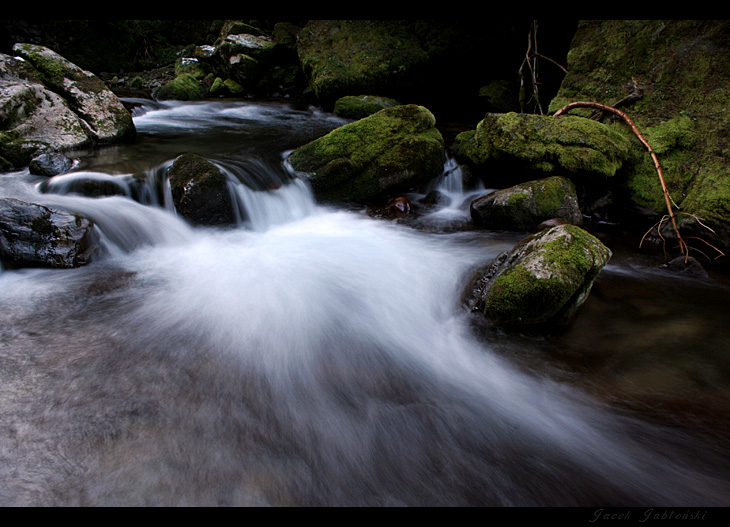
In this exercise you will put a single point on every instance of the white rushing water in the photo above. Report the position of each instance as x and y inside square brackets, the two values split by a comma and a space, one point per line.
[311, 356]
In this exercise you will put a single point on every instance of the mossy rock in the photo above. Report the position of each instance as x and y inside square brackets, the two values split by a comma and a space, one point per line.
[393, 150]
[543, 280]
[526, 205]
[534, 144]
[341, 57]
[359, 106]
[184, 87]
[680, 72]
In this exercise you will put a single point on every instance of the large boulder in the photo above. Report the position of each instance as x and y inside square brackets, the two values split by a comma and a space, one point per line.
[672, 78]
[341, 57]
[32, 235]
[104, 117]
[514, 145]
[390, 151]
[543, 280]
[528, 204]
[48, 104]
[200, 191]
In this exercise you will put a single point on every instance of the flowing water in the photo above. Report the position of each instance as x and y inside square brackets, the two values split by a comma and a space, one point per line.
[315, 355]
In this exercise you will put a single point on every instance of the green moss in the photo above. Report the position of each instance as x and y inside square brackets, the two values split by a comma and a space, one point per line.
[543, 143]
[392, 148]
[182, 88]
[558, 269]
[339, 55]
[682, 68]
[357, 107]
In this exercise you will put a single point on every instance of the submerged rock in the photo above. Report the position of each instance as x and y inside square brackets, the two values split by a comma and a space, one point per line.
[543, 280]
[528, 204]
[390, 151]
[32, 235]
[200, 191]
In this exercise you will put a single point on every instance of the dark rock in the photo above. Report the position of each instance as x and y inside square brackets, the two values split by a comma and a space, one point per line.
[50, 165]
[32, 235]
[200, 191]
[688, 265]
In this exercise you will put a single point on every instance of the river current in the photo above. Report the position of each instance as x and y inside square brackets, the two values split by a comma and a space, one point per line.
[315, 355]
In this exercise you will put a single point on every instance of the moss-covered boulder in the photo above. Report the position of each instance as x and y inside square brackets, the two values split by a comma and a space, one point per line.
[359, 106]
[672, 77]
[526, 205]
[200, 191]
[184, 87]
[391, 151]
[341, 57]
[543, 280]
[515, 145]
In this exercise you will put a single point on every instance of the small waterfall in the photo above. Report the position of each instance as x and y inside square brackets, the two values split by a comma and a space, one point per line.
[264, 195]
[453, 197]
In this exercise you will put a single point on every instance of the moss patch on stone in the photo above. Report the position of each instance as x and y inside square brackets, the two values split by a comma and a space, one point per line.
[359, 106]
[184, 87]
[545, 278]
[540, 143]
[528, 204]
[390, 150]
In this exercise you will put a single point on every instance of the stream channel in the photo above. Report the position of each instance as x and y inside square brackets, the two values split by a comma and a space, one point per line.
[314, 355]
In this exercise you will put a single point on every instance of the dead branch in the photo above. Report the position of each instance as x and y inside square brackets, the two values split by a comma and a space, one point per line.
[667, 198]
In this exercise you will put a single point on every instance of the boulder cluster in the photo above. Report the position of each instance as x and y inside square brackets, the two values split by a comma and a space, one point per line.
[557, 176]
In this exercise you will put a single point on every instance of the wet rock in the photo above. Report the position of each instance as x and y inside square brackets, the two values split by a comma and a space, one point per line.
[50, 165]
[526, 205]
[687, 265]
[397, 207]
[200, 191]
[389, 152]
[543, 280]
[32, 235]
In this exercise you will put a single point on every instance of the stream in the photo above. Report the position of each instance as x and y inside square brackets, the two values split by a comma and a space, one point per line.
[315, 355]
